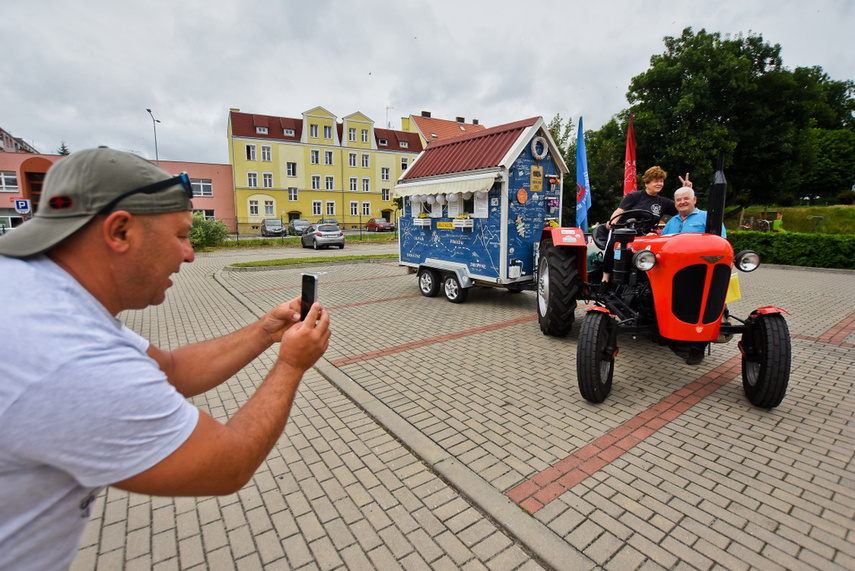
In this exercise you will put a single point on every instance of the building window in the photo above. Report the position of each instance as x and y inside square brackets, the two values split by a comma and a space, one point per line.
[404, 144]
[253, 208]
[317, 208]
[354, 208]
[313, 131]
[252, 179]
[315, 157]
[384, 173]
[250, 152]
[366, 184]
[316, 182]
[266, 153]
[404, 163]
[354, 184]
[202, 187]
[261, 130]
[330, 182]
[385, 193]
[293, 195]
[289, 132]
[366, 209]
[8, 181]
[268, 208]
[365, 138]
[366, 160]
[328, 157]
[351, 160]
[327, 132]
[207, 214]
[330, 207]
[267, 180]
[291, 169]
[351, 134]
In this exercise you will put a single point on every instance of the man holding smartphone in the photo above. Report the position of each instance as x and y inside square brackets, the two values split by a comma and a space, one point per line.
[85, 402]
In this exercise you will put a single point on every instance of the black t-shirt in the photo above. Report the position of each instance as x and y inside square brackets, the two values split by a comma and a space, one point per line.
[656, 205]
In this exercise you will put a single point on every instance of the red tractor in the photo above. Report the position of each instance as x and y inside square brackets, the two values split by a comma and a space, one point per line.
[669, 288]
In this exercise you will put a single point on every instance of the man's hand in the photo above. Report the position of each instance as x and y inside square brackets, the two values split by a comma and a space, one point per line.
[303, 344]
[281, 318]
[685, 181]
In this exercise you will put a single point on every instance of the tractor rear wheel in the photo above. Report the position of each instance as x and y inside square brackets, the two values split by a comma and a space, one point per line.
[766, 369]
[557, 287]
[594, 368]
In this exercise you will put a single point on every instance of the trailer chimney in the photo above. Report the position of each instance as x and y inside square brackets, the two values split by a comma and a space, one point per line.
[718, 190]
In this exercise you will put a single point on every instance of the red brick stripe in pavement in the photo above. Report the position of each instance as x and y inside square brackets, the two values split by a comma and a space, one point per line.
[835, 334]
[425, 342]
[546, 486]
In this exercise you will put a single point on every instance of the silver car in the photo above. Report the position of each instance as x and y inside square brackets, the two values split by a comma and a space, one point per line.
[322, 236]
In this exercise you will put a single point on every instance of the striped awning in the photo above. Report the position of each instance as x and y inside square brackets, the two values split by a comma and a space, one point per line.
[448, 185]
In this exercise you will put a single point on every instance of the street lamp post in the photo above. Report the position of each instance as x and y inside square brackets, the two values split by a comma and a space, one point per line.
[154, 123]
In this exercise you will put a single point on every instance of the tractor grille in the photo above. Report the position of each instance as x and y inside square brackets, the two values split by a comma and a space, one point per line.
[688, 292]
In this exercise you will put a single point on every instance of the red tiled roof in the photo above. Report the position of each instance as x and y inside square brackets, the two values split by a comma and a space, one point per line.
[474, 151]
[244, 124]
[395, 138]
[438, 129]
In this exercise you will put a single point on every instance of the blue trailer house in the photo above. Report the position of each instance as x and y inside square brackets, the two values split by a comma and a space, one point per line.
[477, 207]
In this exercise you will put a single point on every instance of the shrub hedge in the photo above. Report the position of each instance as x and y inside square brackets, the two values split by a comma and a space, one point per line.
[797, 249]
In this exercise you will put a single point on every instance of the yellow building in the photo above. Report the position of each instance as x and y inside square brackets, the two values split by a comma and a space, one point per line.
[315, 167]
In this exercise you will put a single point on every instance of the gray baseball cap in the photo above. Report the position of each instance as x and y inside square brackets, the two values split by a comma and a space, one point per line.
[92, 182]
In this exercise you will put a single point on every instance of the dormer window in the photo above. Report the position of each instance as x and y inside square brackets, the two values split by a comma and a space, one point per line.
[382, 142]
[261, 130]
[289, 132]
[404, 144]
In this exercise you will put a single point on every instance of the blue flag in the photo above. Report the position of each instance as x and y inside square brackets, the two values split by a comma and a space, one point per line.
[583, 185]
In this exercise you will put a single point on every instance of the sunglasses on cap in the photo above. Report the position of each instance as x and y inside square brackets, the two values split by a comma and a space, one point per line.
[182, 179]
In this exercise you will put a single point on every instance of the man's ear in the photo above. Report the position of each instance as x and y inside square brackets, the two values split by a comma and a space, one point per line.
[115, 228]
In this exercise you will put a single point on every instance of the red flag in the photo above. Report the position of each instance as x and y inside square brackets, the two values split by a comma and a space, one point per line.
[630, 179]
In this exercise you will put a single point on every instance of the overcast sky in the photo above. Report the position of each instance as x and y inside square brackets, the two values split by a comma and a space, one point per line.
[85, 72]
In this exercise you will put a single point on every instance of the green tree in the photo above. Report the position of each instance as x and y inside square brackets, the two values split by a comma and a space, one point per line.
[63, 150]
[207, 233]
[708, 94]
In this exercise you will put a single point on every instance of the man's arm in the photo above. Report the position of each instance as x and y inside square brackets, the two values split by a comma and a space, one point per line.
[194, 369]
[220, 459]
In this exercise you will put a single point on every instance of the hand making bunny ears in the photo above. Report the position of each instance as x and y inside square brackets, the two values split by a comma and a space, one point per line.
[685, 181]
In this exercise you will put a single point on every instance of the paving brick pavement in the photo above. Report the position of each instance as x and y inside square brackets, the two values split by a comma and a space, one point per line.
[489, 405]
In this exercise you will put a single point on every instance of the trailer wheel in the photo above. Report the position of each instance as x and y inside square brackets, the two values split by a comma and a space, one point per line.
[766, 368]
[557, 286]
[594, 369]
[454, 292]
[429, 282]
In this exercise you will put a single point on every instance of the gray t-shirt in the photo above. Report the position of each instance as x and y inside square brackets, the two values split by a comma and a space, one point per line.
[81, 406]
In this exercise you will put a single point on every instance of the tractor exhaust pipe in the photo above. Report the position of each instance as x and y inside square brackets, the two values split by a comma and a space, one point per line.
[718, 190]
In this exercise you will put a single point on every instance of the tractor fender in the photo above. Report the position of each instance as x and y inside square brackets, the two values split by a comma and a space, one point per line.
[562, 236]
[600, 309]
[769, 309]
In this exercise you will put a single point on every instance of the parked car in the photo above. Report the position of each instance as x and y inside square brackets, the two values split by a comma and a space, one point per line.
[323, 236]
[272, 227]
[327, 221]
[379, 225]
[297, 226]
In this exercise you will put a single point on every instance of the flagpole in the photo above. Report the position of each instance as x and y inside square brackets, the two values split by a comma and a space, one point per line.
[630, 174]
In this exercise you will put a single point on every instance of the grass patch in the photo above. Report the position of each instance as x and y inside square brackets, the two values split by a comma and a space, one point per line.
[312, 260]
[838, 219]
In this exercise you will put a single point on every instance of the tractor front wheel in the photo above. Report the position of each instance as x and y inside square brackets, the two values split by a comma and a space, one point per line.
[557, 287]
[766, 360]
[594, 368]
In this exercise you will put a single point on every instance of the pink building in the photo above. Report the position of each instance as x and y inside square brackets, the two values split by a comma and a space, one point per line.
[22, 175]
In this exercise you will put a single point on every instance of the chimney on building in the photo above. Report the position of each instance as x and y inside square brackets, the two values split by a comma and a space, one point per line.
[461, 120]
[474, 121]
[426, 114]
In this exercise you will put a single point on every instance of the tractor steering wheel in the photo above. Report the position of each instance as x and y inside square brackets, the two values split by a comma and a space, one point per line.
[630, 219]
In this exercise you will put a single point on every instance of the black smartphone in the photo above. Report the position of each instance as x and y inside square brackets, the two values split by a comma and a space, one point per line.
[310, 294]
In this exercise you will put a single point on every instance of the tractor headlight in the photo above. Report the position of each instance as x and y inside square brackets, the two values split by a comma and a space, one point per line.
[747, 260]
[644, 260]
